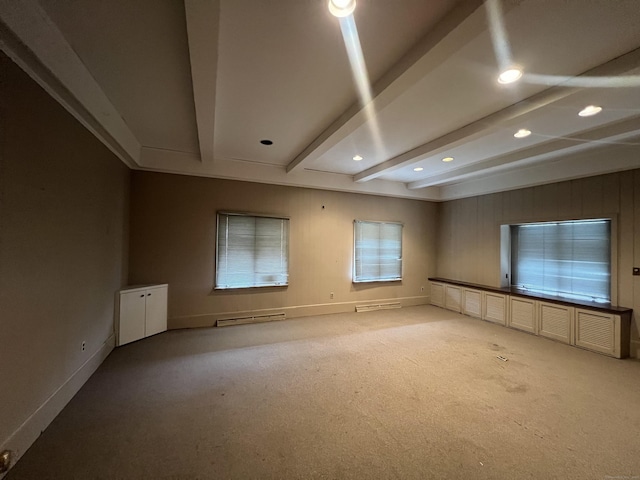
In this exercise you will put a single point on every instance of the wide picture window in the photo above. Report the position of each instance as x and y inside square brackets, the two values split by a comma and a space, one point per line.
[251, 251]
[377, 252]
[571, 259]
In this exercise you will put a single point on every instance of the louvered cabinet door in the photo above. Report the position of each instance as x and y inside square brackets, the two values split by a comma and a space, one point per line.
[599, 332]
[523, 314]
[437, 294]
[472, 302]
[452, 297]
[494, 307]
[556, 321]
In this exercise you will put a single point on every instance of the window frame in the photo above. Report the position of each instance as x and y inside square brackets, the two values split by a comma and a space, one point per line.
[217, 250]
[506, 254]
[354, 276]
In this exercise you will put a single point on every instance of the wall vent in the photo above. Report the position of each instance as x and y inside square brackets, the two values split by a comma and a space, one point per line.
[377, 306]
[251, 319]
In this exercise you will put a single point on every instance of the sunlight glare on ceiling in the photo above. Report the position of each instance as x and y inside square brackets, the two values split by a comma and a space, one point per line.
[361, 77]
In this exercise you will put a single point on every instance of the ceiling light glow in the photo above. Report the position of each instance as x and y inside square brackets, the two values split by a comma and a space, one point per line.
[342, 8]
[509, 76]
[447, 159]
[357, 158]
[522, 133]
[590, 110]
[418, 169]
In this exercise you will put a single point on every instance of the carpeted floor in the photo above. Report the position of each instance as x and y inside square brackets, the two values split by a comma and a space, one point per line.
[414, 393]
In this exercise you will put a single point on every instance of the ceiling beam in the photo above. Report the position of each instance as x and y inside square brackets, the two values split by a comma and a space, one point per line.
[203, 25]
[613, 132]
[617, 66]
[32, 40]
[183, 163]
[598, 161]
[412, 67]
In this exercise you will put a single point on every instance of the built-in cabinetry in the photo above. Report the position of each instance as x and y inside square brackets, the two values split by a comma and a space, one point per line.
[601, 332]
[556, 321]
[452, 297]
[437, 294]
[140, 312]
[600, 329]
[472, 302]
[494, 307]
[523, 314]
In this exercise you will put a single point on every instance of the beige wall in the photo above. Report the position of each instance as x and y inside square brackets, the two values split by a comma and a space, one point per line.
[469, 234]
[173, 221]
[63, 217]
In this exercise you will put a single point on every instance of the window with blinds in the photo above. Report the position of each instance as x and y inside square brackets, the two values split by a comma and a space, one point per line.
[377, 251]
[570, 259]
[251, 251]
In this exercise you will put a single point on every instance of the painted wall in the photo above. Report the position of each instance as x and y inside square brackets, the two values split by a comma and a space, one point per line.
[173, 221]
[469, 234]
[63, 240]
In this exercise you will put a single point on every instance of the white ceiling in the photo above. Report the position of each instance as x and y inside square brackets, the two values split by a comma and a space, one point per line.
[192, 87]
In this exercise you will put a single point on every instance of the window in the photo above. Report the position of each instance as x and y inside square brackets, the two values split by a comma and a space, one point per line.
[377, 251]
[565, 258]
[251, 251]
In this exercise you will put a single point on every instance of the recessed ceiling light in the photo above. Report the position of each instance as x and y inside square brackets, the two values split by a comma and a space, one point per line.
[509, 76]
[342, 8]
[266, 142]
[590, 110]
[447, 159]
[523, 132]
[357, 158]
[418, 169]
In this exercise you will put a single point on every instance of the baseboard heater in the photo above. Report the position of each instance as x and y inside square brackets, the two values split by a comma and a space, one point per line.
[250, 319]
[377, 306]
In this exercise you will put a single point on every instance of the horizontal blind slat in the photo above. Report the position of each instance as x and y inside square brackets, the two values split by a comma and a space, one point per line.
[251, 251]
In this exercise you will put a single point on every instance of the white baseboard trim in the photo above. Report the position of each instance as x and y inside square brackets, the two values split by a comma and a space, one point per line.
[210, 319]
[20, 440]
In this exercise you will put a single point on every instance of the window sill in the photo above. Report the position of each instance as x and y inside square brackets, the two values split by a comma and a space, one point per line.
[389, 280]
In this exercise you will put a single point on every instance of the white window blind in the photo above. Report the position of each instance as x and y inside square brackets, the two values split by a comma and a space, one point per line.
[566, 258]
[377, 251]
[252, 251]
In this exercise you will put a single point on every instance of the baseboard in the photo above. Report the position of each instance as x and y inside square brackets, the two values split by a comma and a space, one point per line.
[20, 440]
[210, 319]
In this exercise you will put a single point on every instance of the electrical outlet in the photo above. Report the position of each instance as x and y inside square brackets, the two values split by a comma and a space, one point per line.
[84, 346]
[331, 295]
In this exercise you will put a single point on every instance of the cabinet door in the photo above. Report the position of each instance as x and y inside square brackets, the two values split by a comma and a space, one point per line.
[523, 314]
[494, 308]
[599, 332]
[452, 297]
[437, 294]
[132, 313]
[156, 318]
[556, 322]
[472, 302]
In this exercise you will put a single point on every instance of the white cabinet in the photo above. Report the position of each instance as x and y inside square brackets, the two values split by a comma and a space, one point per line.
[437, 294]
[140, 312]
[556, 321]
[523, 314]
[452, 297]
[602, 332]
[472, 302]
[494, 307]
